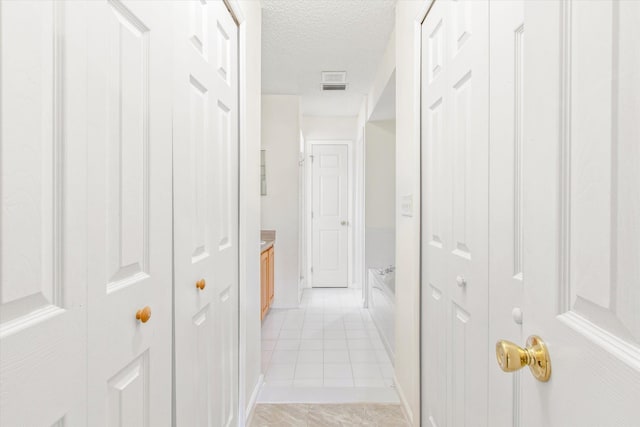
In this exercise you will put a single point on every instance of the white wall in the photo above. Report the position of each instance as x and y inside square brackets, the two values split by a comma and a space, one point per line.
[281, 140]
[359, 170]
[250, 344]
[400, 53]
[362, 118]
[407, 355]
[302, 218]
[384, 72]
[381, 174]
[380, 190]
[328, 128]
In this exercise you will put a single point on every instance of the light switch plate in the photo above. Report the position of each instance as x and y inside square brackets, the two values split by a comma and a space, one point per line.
[406, 205]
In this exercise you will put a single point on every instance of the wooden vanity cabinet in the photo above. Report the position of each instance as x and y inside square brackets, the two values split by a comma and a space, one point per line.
[264, 278]
[266, 281]
[271, 281]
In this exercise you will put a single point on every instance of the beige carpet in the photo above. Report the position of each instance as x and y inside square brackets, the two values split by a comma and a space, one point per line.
[328, 415]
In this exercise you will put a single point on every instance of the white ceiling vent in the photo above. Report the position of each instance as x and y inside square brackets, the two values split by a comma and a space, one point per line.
[334, 80]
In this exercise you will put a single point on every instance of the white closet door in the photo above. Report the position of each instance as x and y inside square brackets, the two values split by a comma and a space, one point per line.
[205, 154]
[225, 285]
[195, 229]
[436, 193]
[43, 214]
[455, 178]
[129, 185]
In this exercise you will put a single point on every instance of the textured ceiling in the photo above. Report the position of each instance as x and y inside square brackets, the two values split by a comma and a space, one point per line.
[302, 38]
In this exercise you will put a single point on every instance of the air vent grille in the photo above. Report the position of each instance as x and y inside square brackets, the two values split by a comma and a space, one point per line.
[334, 80]
[339, 86]
[334, 77]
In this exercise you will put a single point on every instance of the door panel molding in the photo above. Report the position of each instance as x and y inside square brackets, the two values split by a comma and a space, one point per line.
[43, 217]
[585, 305]
[581, 209]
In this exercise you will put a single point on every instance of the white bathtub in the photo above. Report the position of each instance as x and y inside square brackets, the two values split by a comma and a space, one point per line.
[382, 306]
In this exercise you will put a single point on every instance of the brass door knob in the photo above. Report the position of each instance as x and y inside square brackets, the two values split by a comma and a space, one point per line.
[200, 284]
[144, 314]
[512, 357]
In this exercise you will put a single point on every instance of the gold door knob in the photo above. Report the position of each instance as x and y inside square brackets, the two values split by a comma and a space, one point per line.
[512, 357]
[144, 314]
[200, 284]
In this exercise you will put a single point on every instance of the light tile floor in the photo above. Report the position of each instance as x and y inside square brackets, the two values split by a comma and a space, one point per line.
[330, 341]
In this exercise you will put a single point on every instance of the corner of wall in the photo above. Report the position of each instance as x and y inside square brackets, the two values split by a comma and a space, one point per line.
[384, 72]
[250, 340]
[406, 408]
[407, 228]
[253, 400]
[281, 140]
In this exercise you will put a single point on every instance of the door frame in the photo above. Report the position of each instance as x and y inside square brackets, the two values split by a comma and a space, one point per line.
[354, 230]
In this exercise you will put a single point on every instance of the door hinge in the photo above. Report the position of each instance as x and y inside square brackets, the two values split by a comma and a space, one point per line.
[311, 156]
[312, 215]
[311, 270]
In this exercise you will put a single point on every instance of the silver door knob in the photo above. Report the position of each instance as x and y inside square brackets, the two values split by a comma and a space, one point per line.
[344, 223]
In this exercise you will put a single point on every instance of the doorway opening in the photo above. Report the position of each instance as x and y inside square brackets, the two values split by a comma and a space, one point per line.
[324, 338]
[326, 347]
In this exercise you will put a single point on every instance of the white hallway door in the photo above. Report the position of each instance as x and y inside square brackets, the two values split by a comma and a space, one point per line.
[129, 229]
[455, 150]
[205, 186]
[582, 211]
[330, 215]
[43, 185]
[563, 220]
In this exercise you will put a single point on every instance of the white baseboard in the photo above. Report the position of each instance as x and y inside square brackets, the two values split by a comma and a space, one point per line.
[403, 400]
[284, 306]
[251, 405]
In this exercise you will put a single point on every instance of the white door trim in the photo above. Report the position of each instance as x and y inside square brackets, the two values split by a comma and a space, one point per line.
[360, 198]
[417, 120]
[308, 205]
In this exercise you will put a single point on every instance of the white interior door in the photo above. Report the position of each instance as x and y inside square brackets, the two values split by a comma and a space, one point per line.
[330, 215]
[455, 179]
[581, 211]
[43, 185]
[206, 214]
[129, 244]
[506, 248]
